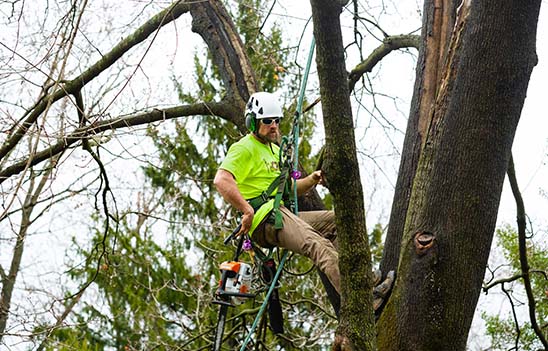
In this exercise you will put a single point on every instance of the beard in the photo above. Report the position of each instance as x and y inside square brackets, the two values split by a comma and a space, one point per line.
[270, 136]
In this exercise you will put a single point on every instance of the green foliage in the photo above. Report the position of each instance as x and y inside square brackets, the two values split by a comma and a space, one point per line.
[502, 330]
[376, 244]
[503, 334]
[186, 169]
[73, 341]
[146, 293]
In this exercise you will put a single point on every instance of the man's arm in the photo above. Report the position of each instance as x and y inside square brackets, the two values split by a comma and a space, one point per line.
[227, 187]
[307, 183]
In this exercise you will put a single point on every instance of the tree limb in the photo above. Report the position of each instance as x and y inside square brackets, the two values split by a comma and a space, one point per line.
[224, 109]
[523, 251]
[486, 288]
[388, 45]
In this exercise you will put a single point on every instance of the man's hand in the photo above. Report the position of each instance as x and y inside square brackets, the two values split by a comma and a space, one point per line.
[317, 177]
[247, 219]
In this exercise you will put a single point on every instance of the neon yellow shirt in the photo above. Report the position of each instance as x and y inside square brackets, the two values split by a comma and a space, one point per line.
[254, 166]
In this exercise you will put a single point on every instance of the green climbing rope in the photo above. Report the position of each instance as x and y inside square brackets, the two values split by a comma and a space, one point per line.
[294, 149]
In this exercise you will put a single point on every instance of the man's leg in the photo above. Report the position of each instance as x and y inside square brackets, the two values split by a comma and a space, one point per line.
[323, 222]
[300, 237]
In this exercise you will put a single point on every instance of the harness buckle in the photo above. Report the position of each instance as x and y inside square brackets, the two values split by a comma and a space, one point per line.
[264, 196]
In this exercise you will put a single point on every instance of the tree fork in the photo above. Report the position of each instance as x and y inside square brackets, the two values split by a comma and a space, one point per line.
[455, 192]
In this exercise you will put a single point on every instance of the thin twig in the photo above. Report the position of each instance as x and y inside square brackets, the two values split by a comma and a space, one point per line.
[516, 323]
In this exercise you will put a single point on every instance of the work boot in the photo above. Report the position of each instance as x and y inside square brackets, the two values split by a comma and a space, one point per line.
[380, 291]
[377, 275]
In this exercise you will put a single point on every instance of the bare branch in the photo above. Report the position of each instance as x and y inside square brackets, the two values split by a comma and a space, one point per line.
[486, 288]
[523, 251]
[8, 283]
[224, 109]
[101, 247]
[68, 309]
[71, 87]
[516, 323]
[388, 45]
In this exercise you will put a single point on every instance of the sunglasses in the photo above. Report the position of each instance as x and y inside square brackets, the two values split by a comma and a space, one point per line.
[268, 121]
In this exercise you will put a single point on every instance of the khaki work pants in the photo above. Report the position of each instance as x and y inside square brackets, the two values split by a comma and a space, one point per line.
[311, 234]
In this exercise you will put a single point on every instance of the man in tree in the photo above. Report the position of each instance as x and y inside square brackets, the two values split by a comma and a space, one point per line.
[244, 180]
[248, 179]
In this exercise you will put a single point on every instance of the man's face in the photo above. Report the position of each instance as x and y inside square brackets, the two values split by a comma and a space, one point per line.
[269, 129]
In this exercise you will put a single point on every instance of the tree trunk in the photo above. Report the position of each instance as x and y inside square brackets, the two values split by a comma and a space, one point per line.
[356, 329]
[437, 26]
[455, 193]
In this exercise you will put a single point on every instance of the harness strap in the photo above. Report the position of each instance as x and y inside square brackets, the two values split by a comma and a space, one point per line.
[278, 223]
[266, 195]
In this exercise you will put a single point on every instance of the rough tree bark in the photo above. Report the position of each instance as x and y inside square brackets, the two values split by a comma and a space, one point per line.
[356, 329]
[463, 123]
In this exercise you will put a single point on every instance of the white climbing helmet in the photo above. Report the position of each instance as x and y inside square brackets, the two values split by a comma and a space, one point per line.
[264, 105]
[261, 105]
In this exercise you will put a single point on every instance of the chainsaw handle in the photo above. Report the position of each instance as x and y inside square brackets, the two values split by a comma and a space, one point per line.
[233, 234]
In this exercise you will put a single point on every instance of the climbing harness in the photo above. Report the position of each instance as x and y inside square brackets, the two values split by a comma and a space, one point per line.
[237, 277]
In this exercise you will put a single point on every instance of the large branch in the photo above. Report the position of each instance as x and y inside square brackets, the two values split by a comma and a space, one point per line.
[71, 87]
[225, 109]
[213, 23]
